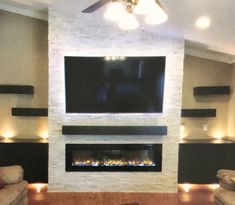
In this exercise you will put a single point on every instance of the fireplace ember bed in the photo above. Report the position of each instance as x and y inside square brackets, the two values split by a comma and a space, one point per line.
[114, 157]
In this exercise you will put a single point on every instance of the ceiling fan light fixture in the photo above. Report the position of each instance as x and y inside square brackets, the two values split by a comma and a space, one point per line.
[143, 6]
[153, 10]
[146, 7]
[122, 11]
[128, 22]
[115, 11]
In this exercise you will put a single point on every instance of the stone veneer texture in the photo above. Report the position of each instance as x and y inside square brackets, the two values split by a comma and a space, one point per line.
[69, 36]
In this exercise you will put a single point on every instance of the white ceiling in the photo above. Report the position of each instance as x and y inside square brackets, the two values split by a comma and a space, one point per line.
[219, 39]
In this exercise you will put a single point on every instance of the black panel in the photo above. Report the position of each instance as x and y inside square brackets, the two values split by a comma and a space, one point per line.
[33, 157]
[199, 163]
[127, 85]
[198, 113]
[114, 130]
[30, 112]
[16, 89]
[211, 90]
[156, 150]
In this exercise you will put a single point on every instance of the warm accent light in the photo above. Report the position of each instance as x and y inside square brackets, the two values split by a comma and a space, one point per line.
[185, 197]
[182, 131]
[151, 9]
[44, 135]
[203, 22]
[39, 186]
[213, 186]
[128, 22]
[115, 11]
[218, 135]
[8, 135]
[186, 187]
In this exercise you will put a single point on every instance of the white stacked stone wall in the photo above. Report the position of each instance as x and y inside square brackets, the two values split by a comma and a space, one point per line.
[70, 36]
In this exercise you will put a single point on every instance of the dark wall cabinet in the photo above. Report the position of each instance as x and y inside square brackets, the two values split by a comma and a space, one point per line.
[33, 157]
[198, 163]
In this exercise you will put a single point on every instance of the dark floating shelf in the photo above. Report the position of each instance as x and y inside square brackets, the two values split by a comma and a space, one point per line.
[114, 130]
[212, 90]
[16, 89]
[30, 112]
[198, 113]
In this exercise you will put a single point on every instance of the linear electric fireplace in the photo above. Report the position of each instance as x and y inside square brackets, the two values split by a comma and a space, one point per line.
[113, 157]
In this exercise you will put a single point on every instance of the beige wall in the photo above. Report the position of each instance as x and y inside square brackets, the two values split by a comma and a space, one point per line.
[231, 115]
[204, 72]
[23, 60]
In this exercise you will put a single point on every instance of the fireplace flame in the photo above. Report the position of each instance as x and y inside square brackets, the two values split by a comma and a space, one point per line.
[113, 162]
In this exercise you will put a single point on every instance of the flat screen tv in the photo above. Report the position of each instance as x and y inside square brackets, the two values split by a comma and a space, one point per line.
[114, 85]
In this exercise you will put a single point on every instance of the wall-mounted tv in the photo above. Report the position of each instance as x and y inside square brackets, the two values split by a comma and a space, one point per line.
[114, 85]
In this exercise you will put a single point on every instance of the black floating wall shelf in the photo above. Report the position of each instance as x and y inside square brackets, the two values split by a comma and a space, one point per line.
[16, 89]
[30, 112]
[114, 130]
[212, 90]
[198, 113]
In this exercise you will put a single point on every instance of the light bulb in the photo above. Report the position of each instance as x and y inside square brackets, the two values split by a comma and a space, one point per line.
[218, 135]
[128, 22]
[143, 7]
[8, 135]
[153, 11]
[156, 15]
[203, 22]
[115, 11]
[39, 187]
[44, 135]
[186, 187]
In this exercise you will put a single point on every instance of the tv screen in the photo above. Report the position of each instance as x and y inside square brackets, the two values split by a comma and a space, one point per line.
[114, 85]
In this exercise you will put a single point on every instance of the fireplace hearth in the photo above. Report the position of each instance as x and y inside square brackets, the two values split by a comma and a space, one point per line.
[113, 157]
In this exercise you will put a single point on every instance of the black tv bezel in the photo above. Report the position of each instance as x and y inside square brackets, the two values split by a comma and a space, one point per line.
[114, 113]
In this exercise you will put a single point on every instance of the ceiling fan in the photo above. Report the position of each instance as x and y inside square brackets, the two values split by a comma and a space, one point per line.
[101, 3]
[151, 9]
[129, 3]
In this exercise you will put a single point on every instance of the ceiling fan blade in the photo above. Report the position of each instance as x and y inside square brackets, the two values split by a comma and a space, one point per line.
[95, 6]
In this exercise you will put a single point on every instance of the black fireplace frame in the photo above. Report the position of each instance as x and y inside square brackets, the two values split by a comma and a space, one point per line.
[69, 158]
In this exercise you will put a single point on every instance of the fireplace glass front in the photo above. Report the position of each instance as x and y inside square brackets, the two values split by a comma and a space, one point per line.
[113, 157]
